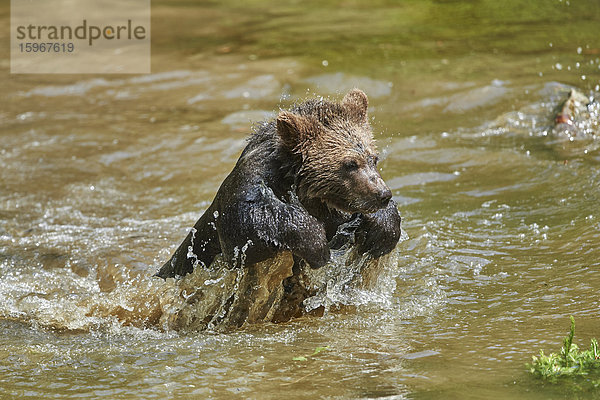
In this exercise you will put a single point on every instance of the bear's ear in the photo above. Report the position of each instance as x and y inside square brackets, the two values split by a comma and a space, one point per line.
[294, 130]
[357, 103]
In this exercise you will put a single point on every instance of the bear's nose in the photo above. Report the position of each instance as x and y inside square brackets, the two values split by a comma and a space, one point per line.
[385, 195]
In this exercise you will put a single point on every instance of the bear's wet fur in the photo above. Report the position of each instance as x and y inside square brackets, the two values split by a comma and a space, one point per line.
[306, 183]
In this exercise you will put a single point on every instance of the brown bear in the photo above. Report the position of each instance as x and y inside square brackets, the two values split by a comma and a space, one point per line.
[306, 183]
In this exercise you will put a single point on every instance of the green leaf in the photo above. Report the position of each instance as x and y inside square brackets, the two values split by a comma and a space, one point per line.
[319, 349]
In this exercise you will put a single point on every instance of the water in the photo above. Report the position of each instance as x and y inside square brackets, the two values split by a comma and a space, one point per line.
[102, 176]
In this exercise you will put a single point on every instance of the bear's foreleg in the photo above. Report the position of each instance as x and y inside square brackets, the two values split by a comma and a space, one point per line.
[259, 225]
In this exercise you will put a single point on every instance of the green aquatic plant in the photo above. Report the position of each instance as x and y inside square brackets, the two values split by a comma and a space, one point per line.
[570, 362]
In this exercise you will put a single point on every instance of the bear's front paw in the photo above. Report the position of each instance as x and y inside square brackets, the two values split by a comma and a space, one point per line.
[379, 233]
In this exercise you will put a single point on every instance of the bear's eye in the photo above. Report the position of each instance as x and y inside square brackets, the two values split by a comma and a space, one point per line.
[350, 165]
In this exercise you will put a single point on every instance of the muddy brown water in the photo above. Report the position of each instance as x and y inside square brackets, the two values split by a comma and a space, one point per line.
[102, 176]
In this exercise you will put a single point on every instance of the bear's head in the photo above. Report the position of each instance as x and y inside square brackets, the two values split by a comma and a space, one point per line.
[334, 145]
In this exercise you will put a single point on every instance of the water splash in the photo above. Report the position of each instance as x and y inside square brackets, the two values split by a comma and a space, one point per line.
[215, 298]
[566, 121]
[352, 280]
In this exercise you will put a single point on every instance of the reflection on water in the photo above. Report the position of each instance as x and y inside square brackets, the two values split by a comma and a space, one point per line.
[102, 176]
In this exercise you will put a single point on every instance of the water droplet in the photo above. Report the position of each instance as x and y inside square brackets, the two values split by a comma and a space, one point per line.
[558, 66]
[583, 77]
[579, 50]
[325, 63]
